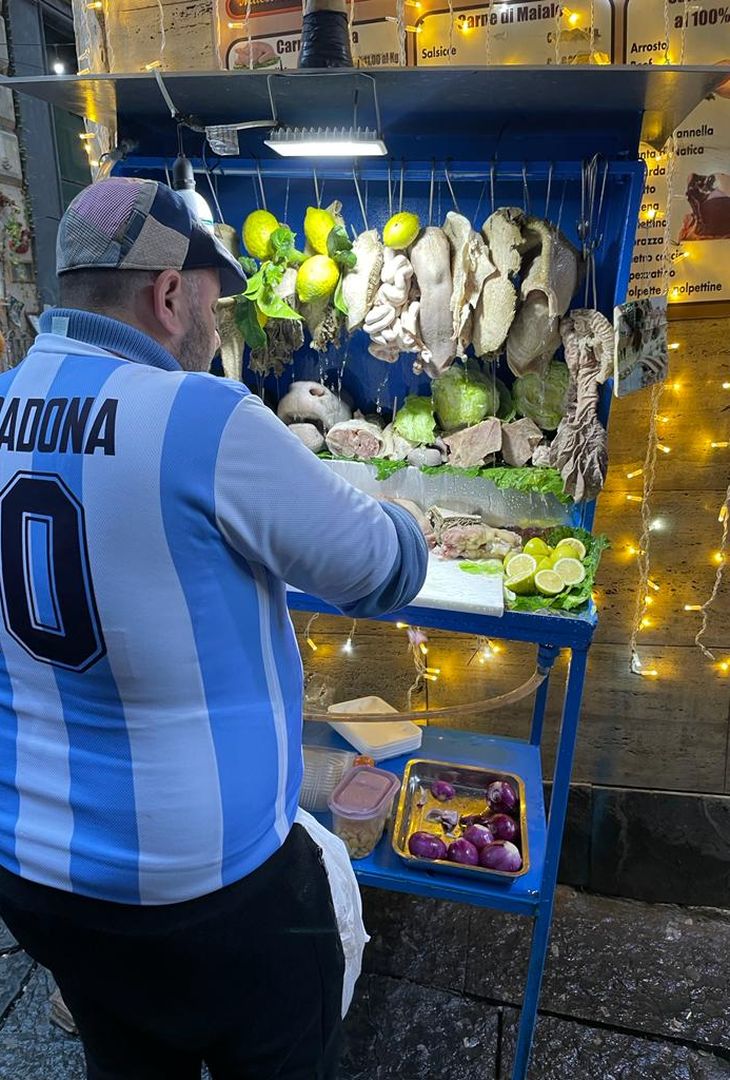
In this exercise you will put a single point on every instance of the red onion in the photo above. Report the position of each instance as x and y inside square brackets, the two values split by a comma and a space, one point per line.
[442, 790]
[461, 851]
[501, 855]
[501, 795]
[424, 845]
[479, 835]
[502, 827]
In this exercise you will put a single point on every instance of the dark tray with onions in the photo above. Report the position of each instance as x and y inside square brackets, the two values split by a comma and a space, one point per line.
[462, 819]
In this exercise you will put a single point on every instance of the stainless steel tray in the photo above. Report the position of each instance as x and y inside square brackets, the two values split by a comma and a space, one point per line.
[471, 783]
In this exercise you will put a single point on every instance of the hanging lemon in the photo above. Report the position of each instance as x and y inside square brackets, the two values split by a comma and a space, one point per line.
[317, 279]
[318, 224]
[401, 230]
[257, 230]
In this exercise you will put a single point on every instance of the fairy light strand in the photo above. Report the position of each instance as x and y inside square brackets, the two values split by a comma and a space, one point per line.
[400, 14]
[724, 517]
[643, 556]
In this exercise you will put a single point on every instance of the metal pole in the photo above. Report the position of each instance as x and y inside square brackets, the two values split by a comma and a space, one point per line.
[556, 823]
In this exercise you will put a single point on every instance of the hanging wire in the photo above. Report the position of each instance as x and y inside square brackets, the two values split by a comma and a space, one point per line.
[261, 185]
[400, 18]
[163, 33]
[256, 192]
[286, 201]
[363, 209]
[549, 190]
[400, 190]
[525, 190]
[482, 193]
[390, 194]
[211, 185]
[706, 607]
[451, 190]
[430, 193]
[562, 203]
[317, 194]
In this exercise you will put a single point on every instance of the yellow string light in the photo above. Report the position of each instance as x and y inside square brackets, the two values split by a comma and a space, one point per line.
[651, 213]
[726, 386]
[653, 585]
[648, 600]
[723, 667]
[693, 607]
[718, 558]
[152, 65]
[634, 474]
[634, 498]
[95, 5]
[645, 623]
[673, 345]
[664, 448]
[424, 649]
[719, 445]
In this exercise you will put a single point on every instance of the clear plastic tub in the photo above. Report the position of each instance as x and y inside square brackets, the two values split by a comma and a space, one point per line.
[361, 806]
[323, 770]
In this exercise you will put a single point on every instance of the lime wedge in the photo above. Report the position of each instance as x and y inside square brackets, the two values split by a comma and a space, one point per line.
[571, 571]
[546, 563]
[520, 566]
[537, 547]
[521, 586]
[548, 583]
[570, 548]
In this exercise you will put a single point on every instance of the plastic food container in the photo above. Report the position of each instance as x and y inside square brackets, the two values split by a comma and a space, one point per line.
[323, 770]
[361, 805]
[378, 741]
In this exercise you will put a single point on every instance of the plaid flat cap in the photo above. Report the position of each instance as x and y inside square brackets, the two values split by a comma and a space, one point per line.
[128, 224]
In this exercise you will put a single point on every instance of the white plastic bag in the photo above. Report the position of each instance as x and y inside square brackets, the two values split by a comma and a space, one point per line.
[346, 900]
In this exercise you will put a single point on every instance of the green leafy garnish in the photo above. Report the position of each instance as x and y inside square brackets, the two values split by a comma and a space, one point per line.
[261, 290]
[339, 300]
[244, 313]
[487, 566]
[339, 248]
[531, 479]
[250, 266]
[283, 247]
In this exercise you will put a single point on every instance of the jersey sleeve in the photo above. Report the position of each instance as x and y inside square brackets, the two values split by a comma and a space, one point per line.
[278, 505]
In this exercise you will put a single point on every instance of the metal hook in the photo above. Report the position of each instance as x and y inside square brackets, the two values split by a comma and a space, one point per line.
[316, 189]
[525, 191]
[562, 203]
[400, 193]
[390, 194]
[492, 172]
[479, 204]
[363, 211]
[256, 192]
[430, 193]
[261, 185]
[286, 201]
[549, 189]
[451, 189]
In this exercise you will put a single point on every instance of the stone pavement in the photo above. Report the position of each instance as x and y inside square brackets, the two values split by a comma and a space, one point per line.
[632, 992]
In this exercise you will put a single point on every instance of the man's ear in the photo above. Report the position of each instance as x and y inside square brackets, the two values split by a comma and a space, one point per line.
[168, 301]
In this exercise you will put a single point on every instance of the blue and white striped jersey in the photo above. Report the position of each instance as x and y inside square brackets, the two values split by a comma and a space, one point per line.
[150, 681]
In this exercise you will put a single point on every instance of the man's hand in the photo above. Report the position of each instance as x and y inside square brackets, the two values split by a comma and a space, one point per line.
[415, 511]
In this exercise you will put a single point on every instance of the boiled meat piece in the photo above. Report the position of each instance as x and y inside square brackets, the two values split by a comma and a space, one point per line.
[395, 447]
[470, 268]
[431, 261]
[310, 402]
[283, 336]
[425, 457]
[534, 336]
[392, 321]
[232, 340]
[497, 305]
[310, 435]
[580, 449]
[598, 334]
[355, 439]
[474, 445]
[519, 440]
[360, 285]
[478, 542]
[443, 519]
[551, 266]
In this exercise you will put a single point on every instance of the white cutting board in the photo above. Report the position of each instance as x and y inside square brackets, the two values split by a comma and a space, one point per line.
[449, 587]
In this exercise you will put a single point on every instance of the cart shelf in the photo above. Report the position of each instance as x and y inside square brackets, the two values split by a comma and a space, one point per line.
[562, 630]
[383, 869]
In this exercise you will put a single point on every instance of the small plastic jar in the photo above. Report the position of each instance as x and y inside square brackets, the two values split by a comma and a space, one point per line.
[360, 805]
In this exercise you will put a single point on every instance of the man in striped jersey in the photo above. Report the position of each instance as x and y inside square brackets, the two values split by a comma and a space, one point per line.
[150, 682]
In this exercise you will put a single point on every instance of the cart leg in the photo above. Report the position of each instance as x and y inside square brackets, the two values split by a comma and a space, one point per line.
[556, 823]
[546, 657]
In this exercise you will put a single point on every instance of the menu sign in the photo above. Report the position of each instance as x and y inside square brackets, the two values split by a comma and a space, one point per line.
[516, 32]
[683, 236]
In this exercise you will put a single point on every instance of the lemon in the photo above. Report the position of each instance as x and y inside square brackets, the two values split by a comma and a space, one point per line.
[570, 570]
[538, 548]
[570, 548]
[401, 230]
[257, 230]
[520, 566]
[318, 224]
[545, 564]
[317, 279]
[548, 583]
[508, 559]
